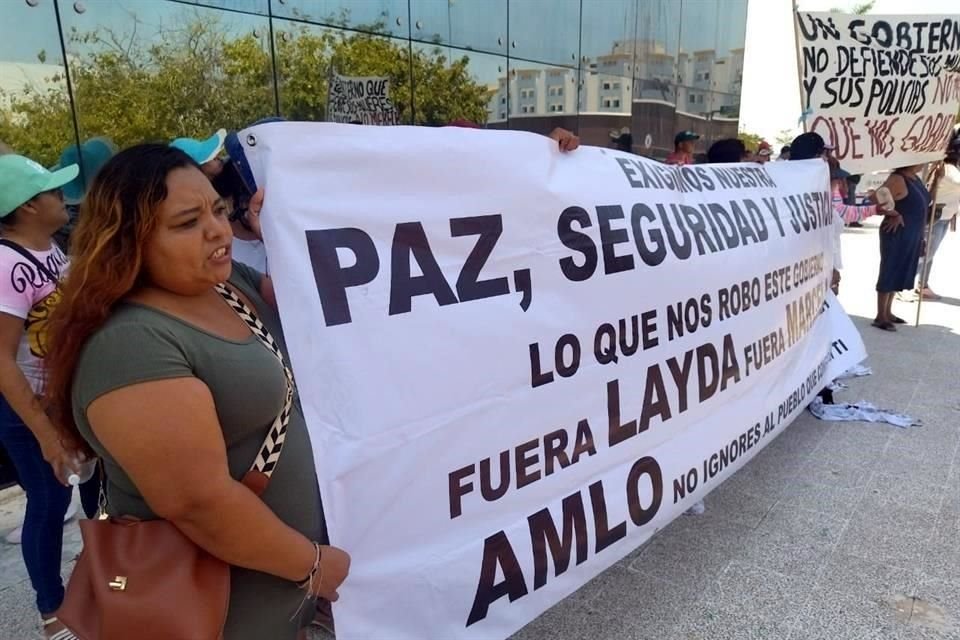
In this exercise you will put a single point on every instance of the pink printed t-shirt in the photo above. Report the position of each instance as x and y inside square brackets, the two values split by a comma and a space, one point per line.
[28, 292]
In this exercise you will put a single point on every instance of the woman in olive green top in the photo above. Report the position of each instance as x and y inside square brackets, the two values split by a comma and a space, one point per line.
[166, 383]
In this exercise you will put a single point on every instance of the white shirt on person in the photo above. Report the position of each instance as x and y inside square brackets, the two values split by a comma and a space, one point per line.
[948, 191]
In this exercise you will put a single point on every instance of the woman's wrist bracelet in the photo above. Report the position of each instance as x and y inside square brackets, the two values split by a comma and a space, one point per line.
[315, 572]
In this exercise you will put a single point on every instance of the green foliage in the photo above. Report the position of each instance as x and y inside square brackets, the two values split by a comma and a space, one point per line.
[192, 80]
[785, 137]
[750, 140]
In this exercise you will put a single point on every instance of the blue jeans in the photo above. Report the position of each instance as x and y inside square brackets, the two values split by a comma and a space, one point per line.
[937, 234]
[47, 502]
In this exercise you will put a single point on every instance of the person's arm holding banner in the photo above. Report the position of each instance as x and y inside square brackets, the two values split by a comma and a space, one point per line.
[567, 140]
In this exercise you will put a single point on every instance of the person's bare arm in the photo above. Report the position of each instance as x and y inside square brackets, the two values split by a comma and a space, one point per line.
[898, 189]
[15, 388]
[174, 453]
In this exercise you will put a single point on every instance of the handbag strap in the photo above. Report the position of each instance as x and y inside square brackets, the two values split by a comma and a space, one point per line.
[265, 463]
[31, 258]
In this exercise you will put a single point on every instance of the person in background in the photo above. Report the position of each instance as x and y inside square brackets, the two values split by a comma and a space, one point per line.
[205, 153]
[764, 152]
[727, 150]
[784, 152]
[31, 266]
[247, 247]
[901, 239]
[945, 215]
[89, 156]
[178, 426]
[848, 214]
[684, 144]
[622, 140]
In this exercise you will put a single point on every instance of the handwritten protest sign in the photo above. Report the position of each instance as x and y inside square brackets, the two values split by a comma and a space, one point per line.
[885, 90]
[517, 365]
[360, 101]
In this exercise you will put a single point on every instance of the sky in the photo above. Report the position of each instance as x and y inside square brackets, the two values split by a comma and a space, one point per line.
[770, 101]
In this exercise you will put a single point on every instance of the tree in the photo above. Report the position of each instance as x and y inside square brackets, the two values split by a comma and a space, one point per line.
[750, 140]
[193, 79]
[858, 9]
[785, 137]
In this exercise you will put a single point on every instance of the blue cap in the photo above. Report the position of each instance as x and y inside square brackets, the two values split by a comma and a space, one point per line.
[239, 158]
[90, 156]
[201, 151]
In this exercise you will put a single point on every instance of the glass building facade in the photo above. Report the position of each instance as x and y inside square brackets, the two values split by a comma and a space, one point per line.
[152, 70]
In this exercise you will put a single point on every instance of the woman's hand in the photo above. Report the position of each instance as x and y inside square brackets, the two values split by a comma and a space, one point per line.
[61, 456]
[567, 140]
[891, 223]
[334, 567]
[253, 213]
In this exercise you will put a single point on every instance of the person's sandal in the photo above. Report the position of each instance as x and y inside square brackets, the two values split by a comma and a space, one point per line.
[886, 326]
[898, 320]
[62, 634]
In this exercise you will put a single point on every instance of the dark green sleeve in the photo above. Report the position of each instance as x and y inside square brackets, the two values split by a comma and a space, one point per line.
[124, 354]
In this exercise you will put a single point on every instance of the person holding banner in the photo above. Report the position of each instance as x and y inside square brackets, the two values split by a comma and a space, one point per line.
[180, 424]
[901, 239]
[945, 214]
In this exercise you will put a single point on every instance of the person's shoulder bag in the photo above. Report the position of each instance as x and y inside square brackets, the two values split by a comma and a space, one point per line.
[146, 579]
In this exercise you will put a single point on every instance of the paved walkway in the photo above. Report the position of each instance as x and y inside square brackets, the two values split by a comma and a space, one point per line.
[834, 532]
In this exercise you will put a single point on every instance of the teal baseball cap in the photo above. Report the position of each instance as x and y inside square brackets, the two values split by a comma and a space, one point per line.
[21, 179]
[201, 151]
[90, 156]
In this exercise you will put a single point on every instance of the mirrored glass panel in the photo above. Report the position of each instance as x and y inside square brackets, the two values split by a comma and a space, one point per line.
[480, 25]
[36, 119]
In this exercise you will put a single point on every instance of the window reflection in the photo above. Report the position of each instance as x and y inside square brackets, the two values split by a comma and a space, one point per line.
[167, 68]
[545, 31]
[389, 17]
[480, 25]
[453, 84]
[35, 116]
[157, 71]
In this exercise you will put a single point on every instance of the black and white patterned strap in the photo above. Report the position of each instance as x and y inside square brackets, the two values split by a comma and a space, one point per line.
[269, 453]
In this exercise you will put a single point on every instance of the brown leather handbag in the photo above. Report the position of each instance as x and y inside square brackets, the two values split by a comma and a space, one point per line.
[145, 579]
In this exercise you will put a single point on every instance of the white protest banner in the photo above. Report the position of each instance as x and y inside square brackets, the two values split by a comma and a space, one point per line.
[360, 101]
[517, 365]
[885, 90]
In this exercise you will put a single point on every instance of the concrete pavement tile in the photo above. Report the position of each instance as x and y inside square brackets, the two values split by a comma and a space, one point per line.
[18, 615]
[710, 622]
[792, 541]
[580, 623]
[732, 503]
[931, 468]
[649, 603]
[840, 615]
[674, 562]
[850, 473]
[858, 437]
[866, 579]
[907, 491]
[888, 534]
[942, 559]
[758, 591]
[938, 607]
[824, 498]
